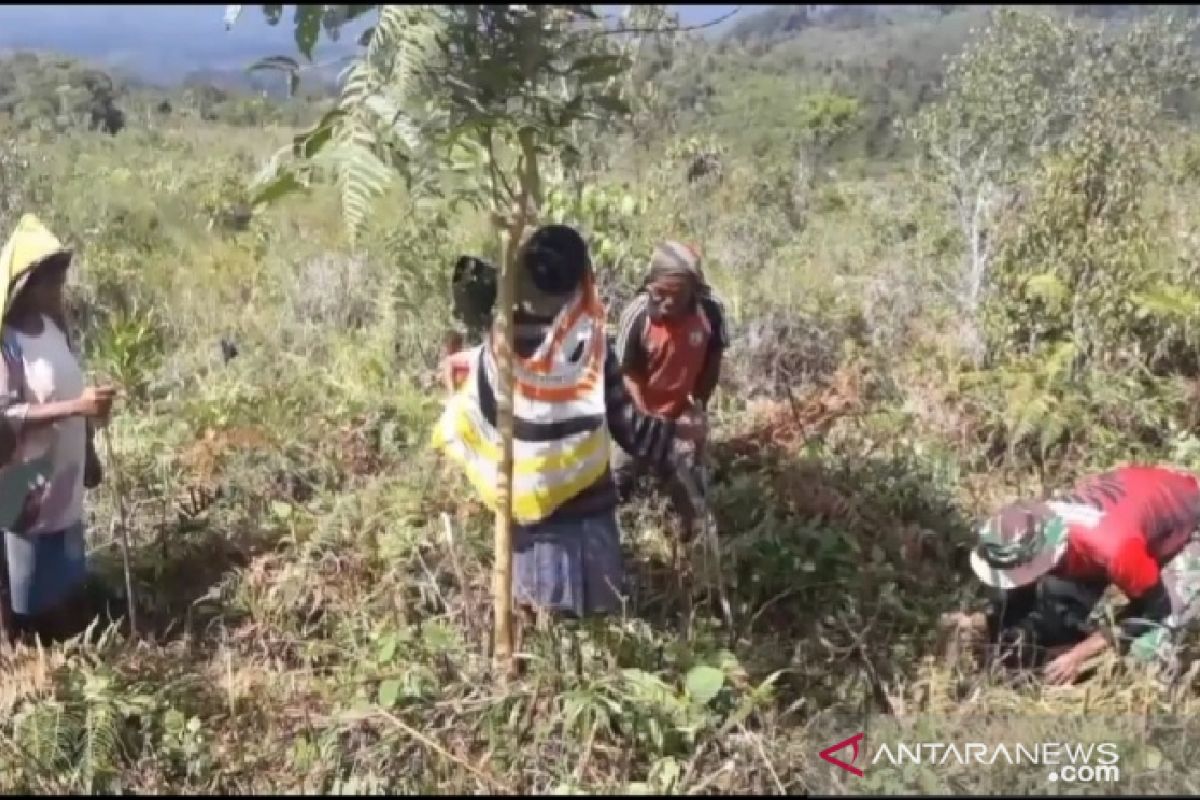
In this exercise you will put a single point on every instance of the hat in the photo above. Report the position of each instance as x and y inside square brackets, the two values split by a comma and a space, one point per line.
[554, 261]
[30, 247]
[1020, 544]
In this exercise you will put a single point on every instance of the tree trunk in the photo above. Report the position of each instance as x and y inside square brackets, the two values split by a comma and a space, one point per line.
[512, 233]
[502, 569]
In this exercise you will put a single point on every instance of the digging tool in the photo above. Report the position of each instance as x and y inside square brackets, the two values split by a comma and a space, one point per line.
[695, 478]
[712, 543]
[119, 499]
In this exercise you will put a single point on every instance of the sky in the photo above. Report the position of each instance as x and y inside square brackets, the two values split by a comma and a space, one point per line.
[162, 38]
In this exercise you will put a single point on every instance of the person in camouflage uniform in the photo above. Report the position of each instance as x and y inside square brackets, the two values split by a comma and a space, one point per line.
[1137, 528]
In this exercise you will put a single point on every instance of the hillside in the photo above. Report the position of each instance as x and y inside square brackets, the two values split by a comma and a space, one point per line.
[957, 252]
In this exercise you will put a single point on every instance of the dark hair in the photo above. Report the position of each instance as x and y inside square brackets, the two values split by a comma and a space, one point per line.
[557, 259]
[60, 260]
[473, 287]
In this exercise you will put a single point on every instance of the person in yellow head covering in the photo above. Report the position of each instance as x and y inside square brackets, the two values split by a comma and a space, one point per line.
[50, 410]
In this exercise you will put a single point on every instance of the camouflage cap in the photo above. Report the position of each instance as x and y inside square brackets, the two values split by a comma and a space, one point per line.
[1019, 544]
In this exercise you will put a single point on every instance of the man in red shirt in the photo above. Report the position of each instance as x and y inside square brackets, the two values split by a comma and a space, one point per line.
[1135, 528]
[670, 342]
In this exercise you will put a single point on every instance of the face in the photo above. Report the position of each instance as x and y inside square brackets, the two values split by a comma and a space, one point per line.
[670, 297]
[43, 292]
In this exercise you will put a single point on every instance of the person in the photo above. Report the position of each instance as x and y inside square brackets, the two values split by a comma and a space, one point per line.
[473, 289]
[51, 412]
[670, 341]
[455, 362]
[568, 400]
[1050, 563]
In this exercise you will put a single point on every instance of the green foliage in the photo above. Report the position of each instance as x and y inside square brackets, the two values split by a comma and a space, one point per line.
[608, 215]
[1073, 264]
[495, 74]
[57, 94]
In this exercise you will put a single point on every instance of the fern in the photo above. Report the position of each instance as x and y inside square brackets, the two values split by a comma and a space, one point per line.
[375, 99]
[45, 732]
[375, 128]
[101, 732]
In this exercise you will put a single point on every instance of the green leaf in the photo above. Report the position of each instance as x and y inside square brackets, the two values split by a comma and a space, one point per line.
[281, 510]
[704, 683]
[308, 28]
[1048, 288]
[389, 693]
[281, 185]
[387, 648]
[309, 143]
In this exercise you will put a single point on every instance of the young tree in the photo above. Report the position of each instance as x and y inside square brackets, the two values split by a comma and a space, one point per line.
[1038, 100]
[495, 89]
[995, 113]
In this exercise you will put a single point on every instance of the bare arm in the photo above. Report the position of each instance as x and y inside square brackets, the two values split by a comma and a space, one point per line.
[42, 415]
[1090, 647]
[94, 403]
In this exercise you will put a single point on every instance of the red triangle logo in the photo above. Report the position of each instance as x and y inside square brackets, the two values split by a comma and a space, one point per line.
[827, 754]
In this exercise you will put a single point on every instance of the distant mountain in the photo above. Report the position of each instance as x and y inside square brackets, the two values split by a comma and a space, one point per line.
[166, 44]
[159, 44]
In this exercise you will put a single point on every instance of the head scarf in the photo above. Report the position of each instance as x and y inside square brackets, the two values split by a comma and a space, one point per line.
[31, 245]
[675, 259]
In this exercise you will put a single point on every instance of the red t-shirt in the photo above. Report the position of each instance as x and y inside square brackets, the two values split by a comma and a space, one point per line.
[1147, 517]
[665, 358]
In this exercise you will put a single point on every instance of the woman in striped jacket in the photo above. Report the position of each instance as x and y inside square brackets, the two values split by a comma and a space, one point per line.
[568, 399]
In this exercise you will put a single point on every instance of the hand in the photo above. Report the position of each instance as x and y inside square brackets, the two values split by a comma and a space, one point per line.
[1064, 668]
[691, 427]
[31, 508]
[96, 402]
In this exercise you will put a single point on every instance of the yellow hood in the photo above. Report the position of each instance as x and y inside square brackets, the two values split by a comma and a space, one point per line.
[29, 244]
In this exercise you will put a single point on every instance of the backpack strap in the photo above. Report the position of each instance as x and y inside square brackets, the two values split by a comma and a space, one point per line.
[10, 349]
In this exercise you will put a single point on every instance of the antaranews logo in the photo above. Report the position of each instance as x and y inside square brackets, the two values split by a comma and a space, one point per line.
[1064, 762]
[827, 754]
